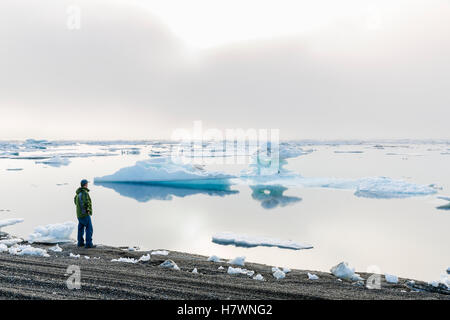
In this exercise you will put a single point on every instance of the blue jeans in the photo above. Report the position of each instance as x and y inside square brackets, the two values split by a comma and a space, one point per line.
[85, 223]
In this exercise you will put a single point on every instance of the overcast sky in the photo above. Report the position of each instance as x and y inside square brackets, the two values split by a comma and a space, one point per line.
[137, 69]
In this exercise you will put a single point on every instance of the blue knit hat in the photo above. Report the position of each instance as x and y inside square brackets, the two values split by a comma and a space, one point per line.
[84, 182]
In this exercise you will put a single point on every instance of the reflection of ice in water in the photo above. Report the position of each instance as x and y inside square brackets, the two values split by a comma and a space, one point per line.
[272, 196]
[146, 192]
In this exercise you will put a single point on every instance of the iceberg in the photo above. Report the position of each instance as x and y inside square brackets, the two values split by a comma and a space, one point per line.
[229, 238]
[52, 233]
[272, 196]
[165, 172]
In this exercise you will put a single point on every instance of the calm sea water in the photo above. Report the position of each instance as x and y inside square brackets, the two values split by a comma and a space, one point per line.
[406, 237]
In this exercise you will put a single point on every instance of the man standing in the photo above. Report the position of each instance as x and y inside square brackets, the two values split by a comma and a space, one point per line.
[84, 213]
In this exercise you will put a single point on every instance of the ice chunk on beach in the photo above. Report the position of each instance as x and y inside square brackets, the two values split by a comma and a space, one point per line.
[164, 171]
[312, 276]
[10, 222]
[246, 272]
[220, 268]
[391, 278]
[126, 260]
[278, 274]
[3, 247]
[52, 233]
[238, 261]
[145, 258]
[11, 242]
[27, 250]
[169, 264]
[76, 256]
[195, 270]
[160, 252]
[56, 248]
[448, 270]
[229, 238]
[258, 277]
[343, 271]
[213, 259]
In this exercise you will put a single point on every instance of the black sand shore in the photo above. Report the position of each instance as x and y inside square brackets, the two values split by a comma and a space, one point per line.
[31, 277]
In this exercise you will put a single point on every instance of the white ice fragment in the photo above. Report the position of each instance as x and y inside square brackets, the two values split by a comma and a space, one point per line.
[52, 233]
[10, 222]
[76, 256]
[312, 276]
[278, 274]
[286, 270]
[145, 257]
[56, 248]
[10, 242]
[195, 270]
[169, 264]
[448, 270]
[220, 268]
[229, 238]
[214, 259]
[238, 261]
[391, 278]
[126, 260]
[246, 272]
[31, 251]
[258, 277]
[343, 271]
[3, 247]
[160, 252]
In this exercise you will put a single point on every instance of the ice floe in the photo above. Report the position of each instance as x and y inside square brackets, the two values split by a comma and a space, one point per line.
[165, 172]
[246, 272]
[10, 222]
[238, 261]
[312, 276]
[229, 238]
[55, 161]
[343, 271]
[52, 233]
[169, 264]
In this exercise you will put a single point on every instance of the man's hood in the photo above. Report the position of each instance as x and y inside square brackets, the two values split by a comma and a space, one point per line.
[80, 189]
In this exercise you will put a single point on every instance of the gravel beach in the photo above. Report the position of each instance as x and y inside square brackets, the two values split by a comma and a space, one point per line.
[34, 277]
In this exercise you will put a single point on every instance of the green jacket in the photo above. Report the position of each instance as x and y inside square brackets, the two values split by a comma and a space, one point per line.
[83, 202]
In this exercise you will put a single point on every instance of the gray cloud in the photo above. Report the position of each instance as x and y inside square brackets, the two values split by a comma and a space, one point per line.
[125, 75]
